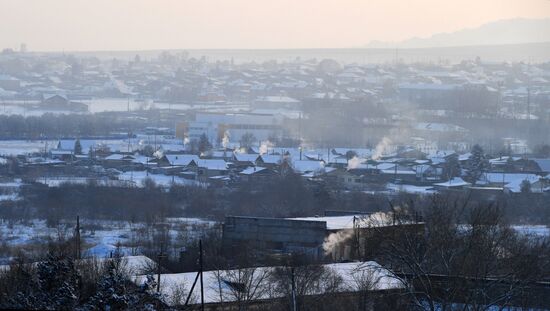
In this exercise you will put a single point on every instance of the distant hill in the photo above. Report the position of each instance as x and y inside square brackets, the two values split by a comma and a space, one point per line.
[510, 31]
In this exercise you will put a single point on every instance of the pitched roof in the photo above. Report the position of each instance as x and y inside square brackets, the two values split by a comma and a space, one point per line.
[212, 164]
[181, 159]
[454, 182]
[252, 170]
[544, 164]
[246, 157]
[304, 166]
[271, 158]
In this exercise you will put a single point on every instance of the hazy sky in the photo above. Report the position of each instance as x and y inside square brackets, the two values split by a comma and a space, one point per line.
[179, 24]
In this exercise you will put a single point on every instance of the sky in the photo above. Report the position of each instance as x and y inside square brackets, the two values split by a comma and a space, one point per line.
[91, 25]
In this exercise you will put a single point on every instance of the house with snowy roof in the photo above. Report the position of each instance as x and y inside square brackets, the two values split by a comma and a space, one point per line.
[308, 166]
[61, 102]
[455, 183]
[270, 160]
[182, 160]
[256, 174]
[543, 165]
[245, 159]
[206, 168]
[512, 182]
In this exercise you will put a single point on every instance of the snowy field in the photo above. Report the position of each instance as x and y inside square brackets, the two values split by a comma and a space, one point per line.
[138, 178]
[97, 105]
[22, 147]
[100, 238]
[25, 147]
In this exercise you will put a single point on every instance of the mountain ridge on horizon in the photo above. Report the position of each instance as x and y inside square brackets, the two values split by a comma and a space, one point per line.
[500, 32]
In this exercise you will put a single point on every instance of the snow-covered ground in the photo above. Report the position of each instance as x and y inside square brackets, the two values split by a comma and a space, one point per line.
[138, 177]
[22, 147]
[9, 197]
[411, 189]
[25, 147]
[217, 283]
[24, 108]
[99, 237]
[533, 230]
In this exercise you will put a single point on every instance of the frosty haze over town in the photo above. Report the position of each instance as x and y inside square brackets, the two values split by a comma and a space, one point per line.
[275, 168]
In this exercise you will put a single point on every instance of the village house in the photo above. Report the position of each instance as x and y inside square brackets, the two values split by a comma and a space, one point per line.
[256, 174]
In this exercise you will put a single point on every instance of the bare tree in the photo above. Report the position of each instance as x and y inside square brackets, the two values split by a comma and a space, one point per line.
[242, 286]
[465, 255]
[307, 280]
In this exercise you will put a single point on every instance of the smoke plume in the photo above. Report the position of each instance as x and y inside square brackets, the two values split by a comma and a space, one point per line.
[264, 147]
[354, 163]
[336, 238]
[225, 140]
[381, 148]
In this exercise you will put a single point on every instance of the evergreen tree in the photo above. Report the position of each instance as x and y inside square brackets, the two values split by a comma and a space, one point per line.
[111, 291]
[477, 164]
[115, 291]
[56, 285]
[451, 167]
[77, 147]
[525, 186]
[204, 143]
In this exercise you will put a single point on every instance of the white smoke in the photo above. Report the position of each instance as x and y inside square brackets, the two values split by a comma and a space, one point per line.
[354, 163]
[265, 146]
[158, 154]
[377, 219]
[225, 140]
[336, 238]
[381, 148]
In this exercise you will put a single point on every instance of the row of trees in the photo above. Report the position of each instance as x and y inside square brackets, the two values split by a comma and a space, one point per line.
[283, 196]
[287, 195]
[203, 144]
[55, 125]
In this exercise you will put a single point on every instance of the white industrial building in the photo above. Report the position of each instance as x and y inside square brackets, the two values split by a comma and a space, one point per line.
[234, 126]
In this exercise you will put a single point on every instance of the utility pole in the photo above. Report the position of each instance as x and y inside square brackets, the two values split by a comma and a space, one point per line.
[356, 232]
[300, 125]
[529, 91]
[77, 238]
[201, 270]
[199, 275]
[159, 259]
[293, 289]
